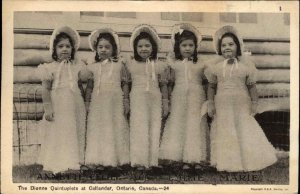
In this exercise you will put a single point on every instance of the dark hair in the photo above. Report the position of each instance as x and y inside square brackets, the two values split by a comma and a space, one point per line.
[145, 35]
[57, 39]
[179, 38]
[111, 40]
[235, 40]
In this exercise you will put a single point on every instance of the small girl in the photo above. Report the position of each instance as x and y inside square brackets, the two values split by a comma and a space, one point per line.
[184, 138]
[63, 147]
[107, 128]
[237, 141]
[148, 92]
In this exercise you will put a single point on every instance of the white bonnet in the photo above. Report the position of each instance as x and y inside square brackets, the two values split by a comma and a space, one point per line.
[179, 28]
[148, 29]
[95, 34]
[224, 30]
[68, 30]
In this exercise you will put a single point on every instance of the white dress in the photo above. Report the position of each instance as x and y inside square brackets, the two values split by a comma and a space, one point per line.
[107, 128]
[63, 145]
[238, 143]
[145, 112]
[185, 133]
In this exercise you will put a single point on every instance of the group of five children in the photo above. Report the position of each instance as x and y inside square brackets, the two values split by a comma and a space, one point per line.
[96, 131]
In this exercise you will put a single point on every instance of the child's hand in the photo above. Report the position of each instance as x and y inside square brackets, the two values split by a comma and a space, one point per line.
[126, 106]
[49, 115]
[165, 104]
[211, 109]
[253, 108]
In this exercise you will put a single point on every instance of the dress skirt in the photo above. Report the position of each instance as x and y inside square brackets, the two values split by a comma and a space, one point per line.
[238, 143]
[185, 134]
[107, 129]
[64, 138]
[145, 125]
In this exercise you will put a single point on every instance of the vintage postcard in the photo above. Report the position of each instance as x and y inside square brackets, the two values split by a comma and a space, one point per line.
[150, 97]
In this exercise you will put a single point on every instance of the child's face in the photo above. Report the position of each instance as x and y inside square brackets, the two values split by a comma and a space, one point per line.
[187, 48]
[144, 48]
[228, 48]
[63, 49]
[104, 49]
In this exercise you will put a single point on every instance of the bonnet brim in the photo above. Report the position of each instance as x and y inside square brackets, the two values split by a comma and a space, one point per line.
[148, 29]
[224, 30]
[95, 34]
[68, 30]
[185, 26]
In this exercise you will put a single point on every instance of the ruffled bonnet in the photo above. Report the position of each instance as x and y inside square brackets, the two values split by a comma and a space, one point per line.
[95, 34]
[224, 30]
[148, 29]
[179, 28]
[68, 30]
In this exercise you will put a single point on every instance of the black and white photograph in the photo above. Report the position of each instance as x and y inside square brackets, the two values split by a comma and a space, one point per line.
[145, 100]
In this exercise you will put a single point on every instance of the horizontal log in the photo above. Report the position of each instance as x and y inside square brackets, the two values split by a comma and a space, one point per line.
[28, 111]
[29, 116]
[273, 104]
[27, 93]
[26, 75]
[271, 61]
[272, 48]
[31, 57]
[34, 57]
[36, 41]
[31, 41]
[273, 76]
[273, 90]
[277, 86]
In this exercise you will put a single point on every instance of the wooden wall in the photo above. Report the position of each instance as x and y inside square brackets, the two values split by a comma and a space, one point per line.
[272, 58]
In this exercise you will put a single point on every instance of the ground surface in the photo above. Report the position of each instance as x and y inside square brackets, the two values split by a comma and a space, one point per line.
[275, 174]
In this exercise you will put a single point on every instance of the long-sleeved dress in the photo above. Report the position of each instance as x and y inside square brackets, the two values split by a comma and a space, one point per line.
[64, 138]
[185, 134]
[238, 143]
